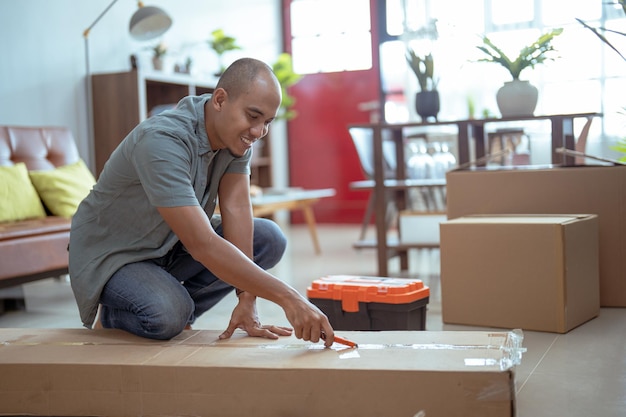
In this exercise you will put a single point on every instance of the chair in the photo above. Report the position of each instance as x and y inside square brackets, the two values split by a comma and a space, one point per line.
[509, 147]
[363, 139]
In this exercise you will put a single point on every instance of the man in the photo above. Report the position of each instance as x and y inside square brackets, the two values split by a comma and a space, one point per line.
[145, 244]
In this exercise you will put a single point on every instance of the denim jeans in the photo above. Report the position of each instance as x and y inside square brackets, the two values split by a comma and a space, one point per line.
[157, 298]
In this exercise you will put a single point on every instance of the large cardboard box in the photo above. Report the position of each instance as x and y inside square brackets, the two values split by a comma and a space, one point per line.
[110, 373]
[597, 190]
[529, 272]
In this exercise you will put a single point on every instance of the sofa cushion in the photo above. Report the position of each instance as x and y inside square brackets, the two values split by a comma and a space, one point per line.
[18, 197]
[63, 188]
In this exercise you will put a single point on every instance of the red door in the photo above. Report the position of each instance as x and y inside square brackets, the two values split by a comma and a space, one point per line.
[321, 153]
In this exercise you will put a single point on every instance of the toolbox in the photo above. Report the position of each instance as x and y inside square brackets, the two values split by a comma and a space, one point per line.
[371, 303]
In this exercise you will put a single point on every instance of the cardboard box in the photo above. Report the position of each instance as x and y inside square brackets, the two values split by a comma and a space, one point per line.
[371, 303]
[420, 227]
[597, 190]
[81, 372]
[529, 272]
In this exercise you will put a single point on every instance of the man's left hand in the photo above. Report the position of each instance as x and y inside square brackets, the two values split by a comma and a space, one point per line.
[245, 317]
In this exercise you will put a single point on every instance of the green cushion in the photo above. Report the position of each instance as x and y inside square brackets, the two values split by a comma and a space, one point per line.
[18, 197]
[63, 188]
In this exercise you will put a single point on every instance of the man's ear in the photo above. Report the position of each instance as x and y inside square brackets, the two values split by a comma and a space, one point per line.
[219, 97]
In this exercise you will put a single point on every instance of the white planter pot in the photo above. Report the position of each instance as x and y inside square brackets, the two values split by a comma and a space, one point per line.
[517, 99]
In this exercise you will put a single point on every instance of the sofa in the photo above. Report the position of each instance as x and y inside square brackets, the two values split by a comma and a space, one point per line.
[33, 244]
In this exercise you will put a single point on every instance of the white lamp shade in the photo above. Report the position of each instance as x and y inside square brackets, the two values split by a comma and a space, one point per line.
[148, 23]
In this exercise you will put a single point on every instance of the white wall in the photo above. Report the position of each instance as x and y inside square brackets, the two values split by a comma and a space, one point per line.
[42, 55]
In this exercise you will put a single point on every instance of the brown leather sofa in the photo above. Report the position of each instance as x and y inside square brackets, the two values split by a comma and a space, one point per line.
[35, 249]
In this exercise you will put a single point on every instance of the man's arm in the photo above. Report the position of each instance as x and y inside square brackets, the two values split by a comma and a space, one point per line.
[236, 211]
[238, 228]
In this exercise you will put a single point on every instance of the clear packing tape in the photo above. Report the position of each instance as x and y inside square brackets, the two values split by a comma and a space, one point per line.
[501, 349]
[506, 346]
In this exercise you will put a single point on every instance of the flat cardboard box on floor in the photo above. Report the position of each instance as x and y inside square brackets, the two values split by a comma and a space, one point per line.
[590, 189]
[81, 372]
[528, 271]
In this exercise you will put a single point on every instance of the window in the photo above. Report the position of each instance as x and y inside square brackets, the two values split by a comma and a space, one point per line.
[330, 36]
[587, 77]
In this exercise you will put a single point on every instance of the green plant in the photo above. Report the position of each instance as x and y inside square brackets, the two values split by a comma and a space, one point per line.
[601, 32]
[159, 50]
[423, 68]
[536, 53]
[620, 146]
[283, 69]
[222, 43]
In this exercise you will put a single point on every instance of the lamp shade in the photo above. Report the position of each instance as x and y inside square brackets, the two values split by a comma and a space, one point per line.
[148, 23]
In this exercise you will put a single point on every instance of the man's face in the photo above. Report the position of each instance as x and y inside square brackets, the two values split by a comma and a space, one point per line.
[245, 119]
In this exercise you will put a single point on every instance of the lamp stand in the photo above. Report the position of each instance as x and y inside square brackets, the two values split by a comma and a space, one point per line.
[89, 91]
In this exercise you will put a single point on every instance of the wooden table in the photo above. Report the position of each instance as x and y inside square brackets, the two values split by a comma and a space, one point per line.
[273, 200]
[562, 137]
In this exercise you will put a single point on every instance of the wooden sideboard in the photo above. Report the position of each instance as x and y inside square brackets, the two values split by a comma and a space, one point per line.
[121, 100]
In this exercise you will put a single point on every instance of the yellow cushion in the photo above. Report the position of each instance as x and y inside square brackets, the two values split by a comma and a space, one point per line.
[18, 197]
[63, 188]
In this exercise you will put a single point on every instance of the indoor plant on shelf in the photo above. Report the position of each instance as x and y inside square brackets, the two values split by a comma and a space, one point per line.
[283, 69]
[427, 99]
[158, 52]
[221, 43]
[517, 97]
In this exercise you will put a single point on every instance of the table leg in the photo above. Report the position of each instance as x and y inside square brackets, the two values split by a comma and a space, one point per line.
[563, 137]
[307, 211]
[463, 142]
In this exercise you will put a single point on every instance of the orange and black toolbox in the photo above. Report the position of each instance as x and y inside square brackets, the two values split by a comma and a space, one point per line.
[371, 303]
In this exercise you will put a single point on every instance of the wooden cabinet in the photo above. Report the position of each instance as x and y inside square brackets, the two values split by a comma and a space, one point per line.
[123, 99]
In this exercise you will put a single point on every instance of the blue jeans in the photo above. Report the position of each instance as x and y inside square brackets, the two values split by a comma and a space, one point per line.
[157, 298]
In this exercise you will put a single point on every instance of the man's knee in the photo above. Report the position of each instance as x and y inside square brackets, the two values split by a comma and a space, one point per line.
[163, 319]
[171, 320]
[269, 243]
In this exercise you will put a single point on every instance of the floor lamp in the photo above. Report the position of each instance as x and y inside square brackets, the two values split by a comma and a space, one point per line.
[148, 22]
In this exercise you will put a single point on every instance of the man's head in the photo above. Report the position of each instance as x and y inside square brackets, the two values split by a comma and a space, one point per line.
[244, 103]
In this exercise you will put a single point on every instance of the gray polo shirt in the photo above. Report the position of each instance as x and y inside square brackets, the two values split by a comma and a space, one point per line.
[166, 161]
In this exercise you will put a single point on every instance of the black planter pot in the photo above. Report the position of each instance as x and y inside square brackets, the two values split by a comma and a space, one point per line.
[427, 104]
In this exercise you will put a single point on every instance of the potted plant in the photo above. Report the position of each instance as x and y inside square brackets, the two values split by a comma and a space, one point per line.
[518, 97]
[222, 43]
[158, 52]
[427, 99]
[283, 69]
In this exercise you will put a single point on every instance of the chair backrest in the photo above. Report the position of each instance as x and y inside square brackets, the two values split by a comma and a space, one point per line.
[363, 139]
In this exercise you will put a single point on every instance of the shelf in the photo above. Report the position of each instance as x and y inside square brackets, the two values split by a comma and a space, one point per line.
[393, 244]
[398, 184]
[122, 100]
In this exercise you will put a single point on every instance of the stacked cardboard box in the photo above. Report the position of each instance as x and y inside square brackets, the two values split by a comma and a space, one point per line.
[597, 190]
[526, 271]
[84, 372]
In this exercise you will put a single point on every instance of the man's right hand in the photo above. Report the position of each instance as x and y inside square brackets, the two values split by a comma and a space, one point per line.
[308, 321]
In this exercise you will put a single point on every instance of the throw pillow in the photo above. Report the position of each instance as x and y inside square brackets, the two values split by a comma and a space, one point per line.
[63, 188]
[18, 197]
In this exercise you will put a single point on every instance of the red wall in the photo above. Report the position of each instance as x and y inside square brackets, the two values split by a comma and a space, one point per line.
[321, 153]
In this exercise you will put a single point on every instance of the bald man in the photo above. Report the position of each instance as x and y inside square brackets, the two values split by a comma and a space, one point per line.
[146, 248]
